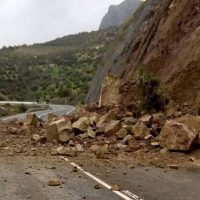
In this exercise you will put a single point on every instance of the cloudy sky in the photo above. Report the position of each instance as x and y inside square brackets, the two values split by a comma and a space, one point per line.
[30, 21]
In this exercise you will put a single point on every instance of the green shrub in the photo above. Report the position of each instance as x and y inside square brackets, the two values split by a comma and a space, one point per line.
[153, 98]
[21, 108]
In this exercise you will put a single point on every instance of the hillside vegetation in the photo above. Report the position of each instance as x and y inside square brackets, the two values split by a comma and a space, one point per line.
[58, 71]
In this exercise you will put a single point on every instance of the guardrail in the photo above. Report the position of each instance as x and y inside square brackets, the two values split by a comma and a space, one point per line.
[18, 102]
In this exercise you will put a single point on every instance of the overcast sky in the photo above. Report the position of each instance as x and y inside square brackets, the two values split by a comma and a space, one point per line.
[30, 21]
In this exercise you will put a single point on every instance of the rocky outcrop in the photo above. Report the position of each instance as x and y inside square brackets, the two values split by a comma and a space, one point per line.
[164, 37]
[118, 14]
[59, 130]
[32, 119]
[110, 91]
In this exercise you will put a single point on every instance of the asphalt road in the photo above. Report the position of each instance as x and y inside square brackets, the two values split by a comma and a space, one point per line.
[150, 183]
[24, 178]
[27, 178]
[56, 109]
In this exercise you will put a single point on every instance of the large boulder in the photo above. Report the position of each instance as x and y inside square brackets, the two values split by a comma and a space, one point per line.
[32, 119]
[140, 130]
[146, 119]
[122, 133]
[100, 151]
[177, 136]
[111, 115]
[110, 91]
[39, 139]
[129, 120]
[52, 117]
[91, 133]
[112, 127]
[60, 130]
[81, 124]
[159, 118]
[65, 136]
[190, 120]
[66, 151]
[93, 118]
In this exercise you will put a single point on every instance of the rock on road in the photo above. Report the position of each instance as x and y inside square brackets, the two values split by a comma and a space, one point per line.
[27, 178]
[24, 178]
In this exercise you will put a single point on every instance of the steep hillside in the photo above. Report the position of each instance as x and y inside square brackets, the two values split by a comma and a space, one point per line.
[118, 14]
[163, 37]
[56, 71]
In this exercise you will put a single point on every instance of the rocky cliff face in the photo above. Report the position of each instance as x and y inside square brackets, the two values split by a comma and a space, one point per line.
[163, 37]
[118, 14]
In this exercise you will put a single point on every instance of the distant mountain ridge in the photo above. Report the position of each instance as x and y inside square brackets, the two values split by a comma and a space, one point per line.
[118, 14]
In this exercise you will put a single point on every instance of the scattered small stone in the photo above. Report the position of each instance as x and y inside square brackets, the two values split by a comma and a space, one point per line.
[132, 167]
[54, 152]
[146, 119]
[75, 169]
[97, 187]
[79, 148]
[67, 151]
[115, 188]
[193, 159]
[19, 150]
[163, 151]
[122, 133]
[173, 166]
[155, 144]
[13, 131]
[91, 133]
[50, 167]
[54, 182]
[148, 136]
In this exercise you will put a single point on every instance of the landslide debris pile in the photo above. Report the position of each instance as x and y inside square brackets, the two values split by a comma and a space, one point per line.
[160, 139]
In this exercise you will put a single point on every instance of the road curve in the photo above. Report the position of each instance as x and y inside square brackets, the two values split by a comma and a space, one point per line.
[55, 109]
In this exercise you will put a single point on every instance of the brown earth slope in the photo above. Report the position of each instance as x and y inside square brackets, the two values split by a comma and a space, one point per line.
[164, 37]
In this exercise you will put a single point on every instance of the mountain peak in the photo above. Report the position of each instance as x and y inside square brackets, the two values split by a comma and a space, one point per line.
[118, 14]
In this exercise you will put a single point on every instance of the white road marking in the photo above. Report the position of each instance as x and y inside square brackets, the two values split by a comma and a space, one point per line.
[18, 102]
[40, 116]
[123, 196]
[70, 111]
[131, 195]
